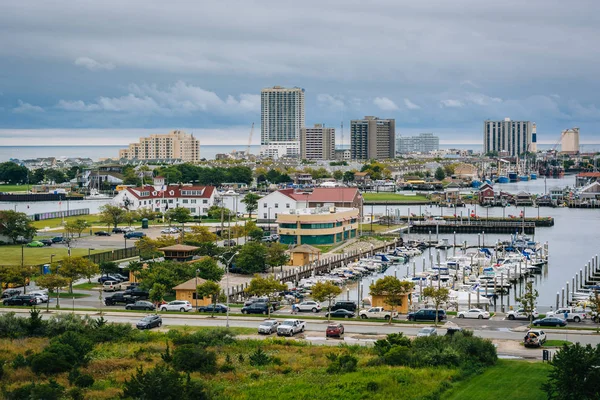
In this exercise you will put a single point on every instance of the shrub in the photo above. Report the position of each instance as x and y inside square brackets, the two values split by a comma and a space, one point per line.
[54, 359]
[259, 358]
[227, 368]
[35, 325]
[342, 364]
[19, 362]
[80, 344]
[205, 338]
[372, 386]
[192, 358]
[398, 355]
[162, 383]
[110, 332]
[46, 391]
[12, 327]
[84, 381]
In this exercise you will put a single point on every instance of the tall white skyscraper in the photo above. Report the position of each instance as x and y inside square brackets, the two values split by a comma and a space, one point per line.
[282, 117]
[511, 137]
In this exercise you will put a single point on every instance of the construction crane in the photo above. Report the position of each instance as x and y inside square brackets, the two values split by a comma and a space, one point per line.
[250, 140]
[558, 141]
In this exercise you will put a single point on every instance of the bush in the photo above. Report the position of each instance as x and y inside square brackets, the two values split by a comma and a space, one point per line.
[162, 383]
[45, 391]
[12, 327]
[192, 358]
[56, 358]
[80, 344]
[204, 338]
[342, 364]
[259, 358]
[19, 362]
[84, 381]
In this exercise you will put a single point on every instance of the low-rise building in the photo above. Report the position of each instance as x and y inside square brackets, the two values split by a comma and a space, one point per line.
[304, 254]
[187, 291]
[198, 199]
[318, 226]
[179, 252]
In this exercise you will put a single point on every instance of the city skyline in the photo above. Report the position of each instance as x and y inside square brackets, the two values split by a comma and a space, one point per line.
[200, 68]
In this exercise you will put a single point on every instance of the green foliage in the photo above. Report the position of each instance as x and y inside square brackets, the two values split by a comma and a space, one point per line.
[438, 296]
[209, 269]
[162, 383]
[167, 356]
[209, 289]
[166, 273]
[259, 358]
[276, 255]
[45, 391]
[84, 381]
[204, 338]
[216, 212]
[112, 215]
[19, 362]
[268, 287]
[15, 225]
[252, 258]
[528, 300]
[393, 289]
[180, 215]
[322, 291]
[349, 176]
[13, 173]
[191, 358]
[157, 293]
[251, 202]
[574, 373]
[342, 364]
[440, 174]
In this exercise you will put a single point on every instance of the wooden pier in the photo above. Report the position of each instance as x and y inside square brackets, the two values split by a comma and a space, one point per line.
[472, 227]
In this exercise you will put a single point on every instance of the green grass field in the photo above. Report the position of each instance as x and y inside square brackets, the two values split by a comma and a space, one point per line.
[509, 379]
[11, 255]
[13, 188]
[88, 286]
[392, 197]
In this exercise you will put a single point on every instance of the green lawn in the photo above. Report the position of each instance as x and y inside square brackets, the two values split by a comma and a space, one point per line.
[57, 222]
[556, 343]
[87, 286]
[514, 380]
[11, 255]
[393, 197]
[13, 188]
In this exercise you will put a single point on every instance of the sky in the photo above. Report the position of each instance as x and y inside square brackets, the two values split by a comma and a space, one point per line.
[106, 72]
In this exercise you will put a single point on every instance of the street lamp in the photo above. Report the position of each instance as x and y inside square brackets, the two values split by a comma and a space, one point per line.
[51, 257]
[227, 264]
[196, 291]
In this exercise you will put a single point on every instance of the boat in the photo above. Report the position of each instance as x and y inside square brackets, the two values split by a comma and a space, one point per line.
[95, 194]
[523, 178]
[502, 179]
[512, 177]
[533, 176]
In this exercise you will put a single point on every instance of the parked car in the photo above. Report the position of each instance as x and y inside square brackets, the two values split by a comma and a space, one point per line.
[149, 322]
[229, 242]
[10, 293]
[141, 305]
[334, 330]
[270, 238]
[110, 286]
[268, 326]
[521, 314]
[426, 332]
[177, 305]
[169, 230]
[569, 314]
[128, 229]
[135, 235]
[426, 314]
[550, 321]
[474, 313]
[534, 338]
[119, 298]
[47, 242]
[341, 313]
[309, 306]
[377, 313]
[57, 239]
[118, 230]
[102, 233]
[21, 300]
[289, 327]
[105, 278]
[256, 308]
[41, 296]
[137, 292]
[218, 308]
[121, 277]
[35, 243]
[274, 303]
[344, 305]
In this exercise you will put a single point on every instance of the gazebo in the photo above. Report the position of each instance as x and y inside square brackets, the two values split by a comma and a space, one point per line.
[179, 252]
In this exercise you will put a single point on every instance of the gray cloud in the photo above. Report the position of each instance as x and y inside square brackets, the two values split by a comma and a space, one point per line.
[92, 64]
[385, 104]
[27, 108]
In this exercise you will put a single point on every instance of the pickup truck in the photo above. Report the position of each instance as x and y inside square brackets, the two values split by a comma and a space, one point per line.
[377, 313]
[289, 327]
[568, 314]
[119, 298]
[521, 314]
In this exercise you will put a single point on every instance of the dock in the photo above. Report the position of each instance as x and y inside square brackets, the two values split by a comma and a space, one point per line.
[473, 227]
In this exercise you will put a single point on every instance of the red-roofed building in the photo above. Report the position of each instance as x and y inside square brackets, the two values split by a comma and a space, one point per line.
[282, 201]
[585, 178]
[198, 199]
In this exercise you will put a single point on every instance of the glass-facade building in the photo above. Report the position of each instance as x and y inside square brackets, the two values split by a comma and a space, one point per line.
[423, 143]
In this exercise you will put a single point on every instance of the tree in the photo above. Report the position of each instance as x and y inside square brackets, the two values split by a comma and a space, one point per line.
[251, 202]
[111, 215]
[73, 268]
[575, 373]
[338, 175]
[157, 293]
[12, 173]
[594, 303]
[528, 300]
[16, 225]
[76, 227]
[53, 282]
[209, 269]
[56, 176]
[16, 275]
[209, 289]
[252, 258]
[277, 255]
[129, 217]
[162, 383]
[349, 176]
[108, 267]
[268, 287]
[438, 296]
[199, 234]
[322, 291]
[215, 212]
[90, 270]
[148, 248]
[180, 215]
[392, 289]
[439, 174]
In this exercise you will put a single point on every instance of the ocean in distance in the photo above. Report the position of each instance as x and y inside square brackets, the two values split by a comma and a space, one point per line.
[208, 151]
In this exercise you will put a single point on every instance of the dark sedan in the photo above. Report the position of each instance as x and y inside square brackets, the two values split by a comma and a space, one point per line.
[341, 313]
[219, 308]
[101, 233]
[20, 300]
[105, 278]
[141, 305]
[149, 322]
[47, 242]
[550, 321]
[118, 230]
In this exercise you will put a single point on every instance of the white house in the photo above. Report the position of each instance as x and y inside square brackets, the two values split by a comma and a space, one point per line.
[272, 204]
[198, 199]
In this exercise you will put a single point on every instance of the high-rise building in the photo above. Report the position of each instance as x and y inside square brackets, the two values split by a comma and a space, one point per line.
[175, 145]
[317, 143]
[372, 138]
[569, 140]
[282, 117]
[424, 143]
[512, 137]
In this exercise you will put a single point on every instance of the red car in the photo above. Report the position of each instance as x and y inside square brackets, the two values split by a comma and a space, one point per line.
[334, 330]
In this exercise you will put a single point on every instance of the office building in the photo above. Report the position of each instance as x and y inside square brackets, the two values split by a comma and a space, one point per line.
[372, 138]
[282, 117]
[569, 141]
[175, 145]
[318, 226]
[509, 137]
[317, 143]
[424, 143]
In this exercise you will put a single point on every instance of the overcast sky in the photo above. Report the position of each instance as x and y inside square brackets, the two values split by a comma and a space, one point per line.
[105, 71]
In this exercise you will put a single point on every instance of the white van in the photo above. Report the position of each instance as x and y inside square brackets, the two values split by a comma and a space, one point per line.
[111, 286]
